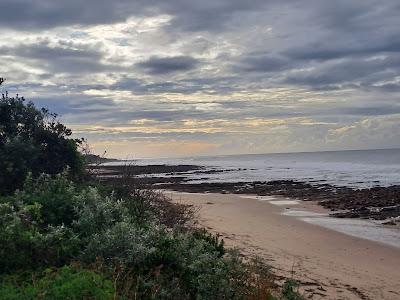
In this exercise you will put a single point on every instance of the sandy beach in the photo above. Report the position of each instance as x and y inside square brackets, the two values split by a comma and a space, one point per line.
[329, 264]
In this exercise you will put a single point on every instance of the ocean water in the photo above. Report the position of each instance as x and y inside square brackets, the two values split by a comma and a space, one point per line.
[355, 168]
[365, 229]
[358, 168]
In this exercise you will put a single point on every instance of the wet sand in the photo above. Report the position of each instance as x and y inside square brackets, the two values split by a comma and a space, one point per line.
[328, 263]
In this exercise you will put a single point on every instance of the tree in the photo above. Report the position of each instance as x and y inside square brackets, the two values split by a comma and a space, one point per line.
[33, 141]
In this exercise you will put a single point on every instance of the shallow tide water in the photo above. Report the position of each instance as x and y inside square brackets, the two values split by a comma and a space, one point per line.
[365, 229]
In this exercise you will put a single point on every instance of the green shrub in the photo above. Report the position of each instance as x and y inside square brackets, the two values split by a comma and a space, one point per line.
[290, 290]
[213, 240]
[52, 222]
[168, 265]
[33, 140]
[96, 212]
[26, 244]
[56, 195]
[65, 283]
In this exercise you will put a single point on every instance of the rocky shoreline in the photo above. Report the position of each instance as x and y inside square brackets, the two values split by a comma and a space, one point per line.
[377, 203]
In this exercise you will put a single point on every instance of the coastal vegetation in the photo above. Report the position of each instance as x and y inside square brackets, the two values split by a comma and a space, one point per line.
[65, 235]
[33, 140]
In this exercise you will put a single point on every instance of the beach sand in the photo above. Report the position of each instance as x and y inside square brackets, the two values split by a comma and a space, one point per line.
[329, 264]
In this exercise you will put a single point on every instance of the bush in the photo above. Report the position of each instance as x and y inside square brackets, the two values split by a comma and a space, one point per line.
[290, 290]
[26, 243]
[35, 224]
[33, 140]
[65, 283]
[170, 265]
[57, 197]
[96, 212]
[53, 222]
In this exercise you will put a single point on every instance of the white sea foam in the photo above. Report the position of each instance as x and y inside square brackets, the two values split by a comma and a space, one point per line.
[302, 213]
[260, 198]
[284, 202]
[359, 228]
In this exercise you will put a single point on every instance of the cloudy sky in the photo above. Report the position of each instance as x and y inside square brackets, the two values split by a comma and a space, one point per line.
[151, 78]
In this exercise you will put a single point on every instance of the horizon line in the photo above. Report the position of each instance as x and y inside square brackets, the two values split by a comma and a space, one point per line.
[263, 153]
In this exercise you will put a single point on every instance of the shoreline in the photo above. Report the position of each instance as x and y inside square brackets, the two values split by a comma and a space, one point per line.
[313, 213]
[377, 203]
[381, 203]
[329, 264]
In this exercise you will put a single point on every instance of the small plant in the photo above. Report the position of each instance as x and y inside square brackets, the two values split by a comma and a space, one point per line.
[26, 243]
[58, 284]
[290, 290]
[214, 240]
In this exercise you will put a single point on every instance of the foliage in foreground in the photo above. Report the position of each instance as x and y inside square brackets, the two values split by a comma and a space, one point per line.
[53, 223]
[64, 283]
[33, 140]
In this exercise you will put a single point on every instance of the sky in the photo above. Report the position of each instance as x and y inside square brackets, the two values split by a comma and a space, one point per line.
[156, 78]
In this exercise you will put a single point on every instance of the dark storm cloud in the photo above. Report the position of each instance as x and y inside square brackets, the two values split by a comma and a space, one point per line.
[42, 14]
[389, 87]
[163, 65]
[210, 15]
[343, 15]
[327, 51]
[74, 104]
[371, 111]
[165, 115]
[130, 84]
[348, 72]
[91, 109]
[341, 40]
[115, 115]
[218, 85]
[140, 87]
[264, 63]
[43, 51]
[188, 15]
[343, 30]
[58, 58]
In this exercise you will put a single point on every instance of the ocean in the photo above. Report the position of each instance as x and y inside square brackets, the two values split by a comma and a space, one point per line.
[354, 168]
